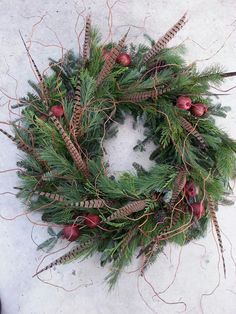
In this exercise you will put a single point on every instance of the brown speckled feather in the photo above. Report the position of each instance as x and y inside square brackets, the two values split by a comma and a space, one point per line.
[87, 38]
[66, 257]
[179, 184]
[163, 41]
[75, 154]
[212, 212]
[77, 109]
[111, 60]
[192, 130]
[141, 96]
[127, 210]
[94, 203]
[22, 145]
[40, 78]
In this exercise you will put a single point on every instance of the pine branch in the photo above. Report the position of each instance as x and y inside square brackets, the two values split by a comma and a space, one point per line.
[111, 60]
[192, 130]
[163, 41]
[211, 208]
[75, 154]
[68, 256]
[87, 38]
[127, 210]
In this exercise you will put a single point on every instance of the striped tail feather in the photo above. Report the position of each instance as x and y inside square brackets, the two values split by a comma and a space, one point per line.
[127, 210]
[212, 212]
[163, 41]
[111, 60]
[66, 257]
[77, 109]
[22, 145]
[127, 238]
[192, 130]
[76, 156]
[179, 184]
[40, 78]
[12, 138]
[87, 38]
[94, 203]
[141, 96]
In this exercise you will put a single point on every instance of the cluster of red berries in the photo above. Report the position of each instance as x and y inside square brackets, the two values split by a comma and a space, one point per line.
[196, 208]
[185, 103]
[72, 232]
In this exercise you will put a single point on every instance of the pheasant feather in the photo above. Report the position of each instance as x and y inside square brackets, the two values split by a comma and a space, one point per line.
[192, 130]
[129, 236]
[141, 96]
[163, 41]
[212, 212]
[111, 60]
[22, 145]
[77, 109]
[40, 78]
[76, 156]
[179, 184]
[87, 38]
[127, 210]
[67, 257]
[95, 203]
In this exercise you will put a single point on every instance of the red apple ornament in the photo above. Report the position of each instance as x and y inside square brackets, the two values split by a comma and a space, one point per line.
[92, 220]
[190, 189]
[198, 110]
[183, 102]
[123, 59]
[197, 209]
[57, 111]
[71, 232]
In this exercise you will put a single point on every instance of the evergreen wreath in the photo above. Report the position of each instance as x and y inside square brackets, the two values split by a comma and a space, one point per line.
[62, 129]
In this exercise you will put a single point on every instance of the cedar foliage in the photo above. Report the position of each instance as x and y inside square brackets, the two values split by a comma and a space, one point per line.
[135, 209]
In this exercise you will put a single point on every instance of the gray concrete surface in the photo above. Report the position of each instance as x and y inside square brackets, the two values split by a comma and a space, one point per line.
[210, 36]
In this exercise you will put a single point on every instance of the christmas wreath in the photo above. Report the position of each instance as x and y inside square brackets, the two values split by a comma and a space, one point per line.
[63, 173]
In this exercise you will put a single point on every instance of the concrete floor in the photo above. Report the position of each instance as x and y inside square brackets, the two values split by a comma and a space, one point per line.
[210, 35]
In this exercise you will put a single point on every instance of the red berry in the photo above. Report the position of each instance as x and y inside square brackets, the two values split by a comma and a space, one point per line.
[198, 110]
[71, 232]
[124, 59]
[190, 189]
[57, 111]
[92, 220]
[183, 102]
[197, 209]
